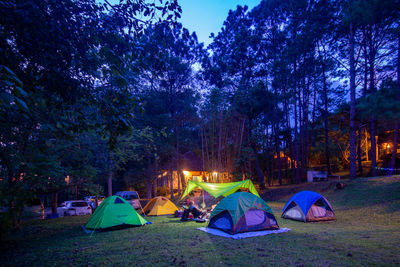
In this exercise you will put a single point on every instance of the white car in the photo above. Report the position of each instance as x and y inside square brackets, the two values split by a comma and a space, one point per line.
[132, 197]
[74, 207]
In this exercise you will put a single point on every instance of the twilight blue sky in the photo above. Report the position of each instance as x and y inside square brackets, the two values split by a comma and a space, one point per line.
[207, 16]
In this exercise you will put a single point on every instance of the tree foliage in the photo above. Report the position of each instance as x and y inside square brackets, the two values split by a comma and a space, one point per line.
[118, 92]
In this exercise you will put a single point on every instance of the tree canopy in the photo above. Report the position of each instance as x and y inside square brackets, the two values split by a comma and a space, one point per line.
[95, 93]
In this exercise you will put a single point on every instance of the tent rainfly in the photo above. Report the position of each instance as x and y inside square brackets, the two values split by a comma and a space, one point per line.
[242, 212]
[114, 212]
[217, 190]
[308, 206]
[159, 206]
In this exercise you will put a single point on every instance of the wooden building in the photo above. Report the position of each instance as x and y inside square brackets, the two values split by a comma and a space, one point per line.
[191, 167]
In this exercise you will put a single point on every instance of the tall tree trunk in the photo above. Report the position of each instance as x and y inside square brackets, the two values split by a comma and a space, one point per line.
[373, 146]
[285, 162]
[395, 142]
[359, 151]
[277, 130]
[171, 180]
[267, 160]
[297, 142]
[148, 178]
[213, 147]
[268, 166]
[326, 115]
[241, 141]
[219, 144]
[54, 200]
[178, 177]
[373, 120]
[301, 136]
[272, 162]
[226, 158]
[372, 89]
[241, 136]
[306, 104]
[178, 162]
[396, 127]
[289, 143]
[314, 110]
[277, 142]
[260, 174]
[365, 85]
[202, 154]
[178, 180]
[292, 169]
[352, 105]
[250, 168]
[364, 93]
[207, 163]
[155, 175]
[155, 188]
[110, 174]
[278, 154]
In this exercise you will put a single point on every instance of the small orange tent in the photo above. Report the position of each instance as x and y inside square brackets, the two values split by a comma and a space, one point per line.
[159, 206]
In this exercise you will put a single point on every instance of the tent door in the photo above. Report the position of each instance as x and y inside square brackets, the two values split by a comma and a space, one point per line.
[222, 221]
[320, 211]
[293, 212]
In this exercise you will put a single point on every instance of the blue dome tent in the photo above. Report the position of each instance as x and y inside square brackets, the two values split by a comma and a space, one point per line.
[308, 206]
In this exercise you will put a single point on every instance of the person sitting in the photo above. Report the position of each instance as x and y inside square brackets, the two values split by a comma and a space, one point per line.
[192, 209]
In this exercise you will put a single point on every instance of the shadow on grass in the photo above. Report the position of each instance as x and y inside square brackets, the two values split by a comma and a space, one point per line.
[175, 220]
[394, 207]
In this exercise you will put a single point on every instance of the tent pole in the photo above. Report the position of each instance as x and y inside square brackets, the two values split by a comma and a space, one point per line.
[204, 204]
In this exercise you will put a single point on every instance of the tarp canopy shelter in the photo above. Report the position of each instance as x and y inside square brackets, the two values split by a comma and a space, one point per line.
[242, 212]
[159, 206]
[308, 206]
[114, 212]
[217, 190]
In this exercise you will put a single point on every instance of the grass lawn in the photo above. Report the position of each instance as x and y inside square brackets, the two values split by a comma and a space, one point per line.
[367, 232]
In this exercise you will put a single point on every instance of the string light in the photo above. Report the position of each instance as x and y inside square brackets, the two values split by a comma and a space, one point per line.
[387, 169]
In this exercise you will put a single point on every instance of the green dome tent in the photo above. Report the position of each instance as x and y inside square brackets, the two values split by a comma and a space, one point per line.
[242, 212]
[115, 212]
